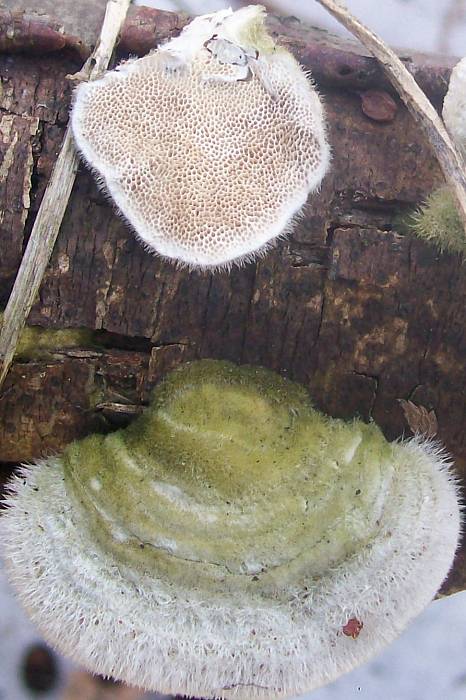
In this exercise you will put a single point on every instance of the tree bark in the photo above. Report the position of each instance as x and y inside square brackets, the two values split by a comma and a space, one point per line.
[359, 313]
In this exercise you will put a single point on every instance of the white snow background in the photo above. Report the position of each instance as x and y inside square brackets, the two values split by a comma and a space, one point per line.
[428, 662]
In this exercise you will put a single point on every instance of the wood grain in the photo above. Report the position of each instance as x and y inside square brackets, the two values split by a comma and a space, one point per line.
[50, 215]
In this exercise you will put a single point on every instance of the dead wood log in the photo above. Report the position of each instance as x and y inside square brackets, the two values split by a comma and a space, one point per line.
[361, 314]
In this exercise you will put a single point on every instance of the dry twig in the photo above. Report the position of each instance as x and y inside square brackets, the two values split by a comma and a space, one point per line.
[54, 203]
[450, 160]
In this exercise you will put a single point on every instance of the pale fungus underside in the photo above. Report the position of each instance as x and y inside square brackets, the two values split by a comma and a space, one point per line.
[210, 145]
[233, 541]
[454, 105]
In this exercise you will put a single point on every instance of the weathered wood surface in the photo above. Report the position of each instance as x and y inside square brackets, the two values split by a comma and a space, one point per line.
[54, 203]
[449, 157]
[361, 314]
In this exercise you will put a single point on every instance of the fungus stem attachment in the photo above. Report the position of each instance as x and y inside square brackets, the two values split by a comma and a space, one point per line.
[54, 203]
[448, 156]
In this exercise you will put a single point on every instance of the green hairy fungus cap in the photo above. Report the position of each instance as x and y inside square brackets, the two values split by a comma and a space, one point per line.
[233, 542]
[438, 222]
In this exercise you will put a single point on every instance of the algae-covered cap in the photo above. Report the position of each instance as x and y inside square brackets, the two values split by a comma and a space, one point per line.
[232, 542]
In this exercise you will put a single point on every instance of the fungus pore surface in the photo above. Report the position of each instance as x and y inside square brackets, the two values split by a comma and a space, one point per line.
[210, 145]
[233, 542]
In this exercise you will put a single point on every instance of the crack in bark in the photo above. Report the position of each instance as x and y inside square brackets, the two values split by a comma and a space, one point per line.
[322, 312]
[376, 381]
[250, 303]
[205, 315]
[35, 179]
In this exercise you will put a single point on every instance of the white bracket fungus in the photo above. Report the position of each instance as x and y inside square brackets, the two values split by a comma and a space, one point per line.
[210, 145]
[454, 105]
[232, 542]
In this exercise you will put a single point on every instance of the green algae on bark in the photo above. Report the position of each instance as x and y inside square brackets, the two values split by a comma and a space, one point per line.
[36, 342]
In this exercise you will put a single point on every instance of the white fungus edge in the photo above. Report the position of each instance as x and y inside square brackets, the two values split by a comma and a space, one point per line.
[38, 534]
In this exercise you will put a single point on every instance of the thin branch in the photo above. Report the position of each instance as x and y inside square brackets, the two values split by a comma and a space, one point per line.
[54, 203]
[450, 160]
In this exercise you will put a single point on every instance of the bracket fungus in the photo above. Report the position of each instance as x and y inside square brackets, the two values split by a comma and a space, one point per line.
[211, 144]
[232, 542]
[454, 105]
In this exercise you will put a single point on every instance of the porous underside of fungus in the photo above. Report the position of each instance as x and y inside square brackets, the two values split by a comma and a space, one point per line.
[233, 542]
[210, 145]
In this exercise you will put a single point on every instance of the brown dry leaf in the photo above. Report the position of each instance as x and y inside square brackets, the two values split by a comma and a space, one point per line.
[420, 420]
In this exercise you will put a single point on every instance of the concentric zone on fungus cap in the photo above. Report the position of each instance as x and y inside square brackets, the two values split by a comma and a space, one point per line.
[206, 161]
[232, 542]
